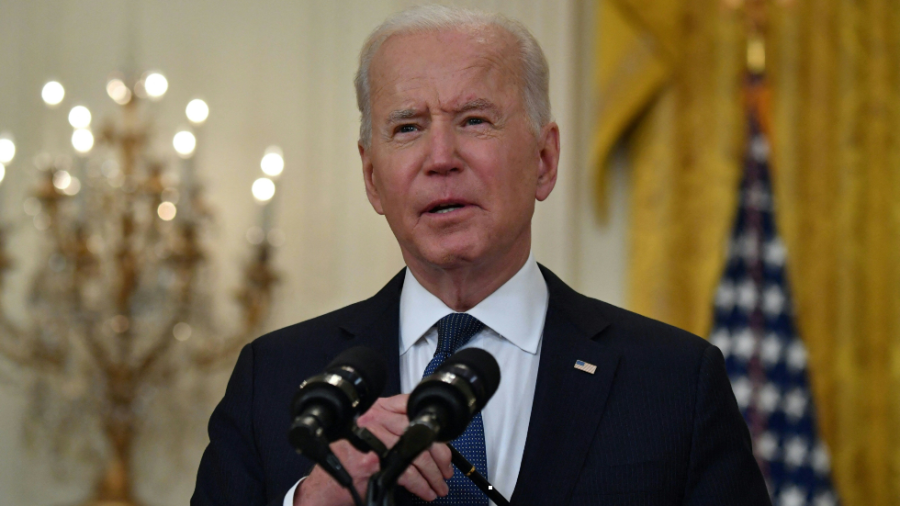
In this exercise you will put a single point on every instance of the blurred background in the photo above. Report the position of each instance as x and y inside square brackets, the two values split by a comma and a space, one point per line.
[731, 167]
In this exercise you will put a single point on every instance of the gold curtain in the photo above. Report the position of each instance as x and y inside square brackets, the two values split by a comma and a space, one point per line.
[668, 83]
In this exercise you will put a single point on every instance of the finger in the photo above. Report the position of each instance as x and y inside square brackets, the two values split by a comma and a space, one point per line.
[375, 417]
[371, 415]
[385, 407]
[344, 450]
[366, 468]
[443, 458]
[395, 404]
[360, 466]
[395, 424]
[356, 462]
[412, 480]
[428, 468]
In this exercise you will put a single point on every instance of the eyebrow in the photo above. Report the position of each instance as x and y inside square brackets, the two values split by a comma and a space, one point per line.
[401, 115]
[479, 104]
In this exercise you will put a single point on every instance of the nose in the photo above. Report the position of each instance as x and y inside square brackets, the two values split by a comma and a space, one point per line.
[443, 157]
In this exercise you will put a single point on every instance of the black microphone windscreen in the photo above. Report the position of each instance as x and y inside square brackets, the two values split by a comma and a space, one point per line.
[370, 366]
[484, 365]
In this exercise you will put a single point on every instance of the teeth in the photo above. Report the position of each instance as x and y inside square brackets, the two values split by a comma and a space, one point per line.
[447, 209]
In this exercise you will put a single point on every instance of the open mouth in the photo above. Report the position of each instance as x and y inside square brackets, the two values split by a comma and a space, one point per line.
[445, 208]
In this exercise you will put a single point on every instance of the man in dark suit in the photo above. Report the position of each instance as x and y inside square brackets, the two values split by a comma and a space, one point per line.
[596, 405]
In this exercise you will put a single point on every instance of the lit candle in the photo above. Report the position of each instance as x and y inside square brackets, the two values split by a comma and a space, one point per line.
[7, 153]
[52, 94]
[196, 111]
[263, 190]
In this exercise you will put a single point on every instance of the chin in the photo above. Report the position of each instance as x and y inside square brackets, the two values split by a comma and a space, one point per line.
[452, 256]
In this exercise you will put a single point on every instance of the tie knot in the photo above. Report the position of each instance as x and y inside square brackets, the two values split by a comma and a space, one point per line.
[455, 330]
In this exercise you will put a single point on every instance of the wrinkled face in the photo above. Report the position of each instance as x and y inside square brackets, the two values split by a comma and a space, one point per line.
[453, 163]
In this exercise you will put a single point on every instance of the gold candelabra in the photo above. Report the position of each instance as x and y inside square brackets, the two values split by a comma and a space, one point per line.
[118, 306]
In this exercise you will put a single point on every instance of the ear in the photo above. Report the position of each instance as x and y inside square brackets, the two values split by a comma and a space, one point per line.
[548, 144]
[369, 178]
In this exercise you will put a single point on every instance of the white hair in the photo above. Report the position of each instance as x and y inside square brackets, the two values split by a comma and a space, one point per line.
[534, 74]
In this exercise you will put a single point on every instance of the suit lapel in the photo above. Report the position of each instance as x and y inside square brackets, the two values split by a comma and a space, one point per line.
[568, 403]
[377, 325]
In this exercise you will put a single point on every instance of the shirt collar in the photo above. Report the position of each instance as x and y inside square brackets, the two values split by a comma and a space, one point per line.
[516, 310]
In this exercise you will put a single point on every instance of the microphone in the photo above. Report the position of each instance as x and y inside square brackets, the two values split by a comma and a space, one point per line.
[439, 409]
[326, 406]
[448, 399]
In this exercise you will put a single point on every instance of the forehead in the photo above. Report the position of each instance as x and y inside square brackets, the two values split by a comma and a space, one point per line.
[452, 65]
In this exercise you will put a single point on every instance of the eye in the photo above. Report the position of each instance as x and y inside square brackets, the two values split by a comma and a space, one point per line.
[474, 121]
[406, 129]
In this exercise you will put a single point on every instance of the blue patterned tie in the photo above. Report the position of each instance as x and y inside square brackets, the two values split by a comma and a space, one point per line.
[455, 330]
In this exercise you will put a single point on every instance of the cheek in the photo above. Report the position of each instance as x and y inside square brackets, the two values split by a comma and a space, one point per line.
[394, 181]
[510, 179]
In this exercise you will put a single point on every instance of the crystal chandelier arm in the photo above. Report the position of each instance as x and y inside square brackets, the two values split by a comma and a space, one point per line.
[164, 341]
[215, 357]
[19, 348]
[157, 351]
[255, 299]
[190, 257]
[14, 354]
[97, 350]
[16, 345]
[211, 359]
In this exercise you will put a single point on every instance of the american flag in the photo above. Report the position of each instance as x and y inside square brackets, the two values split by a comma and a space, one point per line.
[765, 357]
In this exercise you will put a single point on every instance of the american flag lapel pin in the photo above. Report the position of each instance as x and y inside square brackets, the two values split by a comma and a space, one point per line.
[581, 365]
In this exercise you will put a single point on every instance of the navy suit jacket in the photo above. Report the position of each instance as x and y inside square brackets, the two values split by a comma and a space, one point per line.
[657, 424]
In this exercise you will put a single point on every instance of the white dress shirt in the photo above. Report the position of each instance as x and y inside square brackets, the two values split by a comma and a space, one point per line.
[514, 323]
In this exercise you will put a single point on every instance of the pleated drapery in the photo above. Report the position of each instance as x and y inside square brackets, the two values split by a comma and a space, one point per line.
[669, 86]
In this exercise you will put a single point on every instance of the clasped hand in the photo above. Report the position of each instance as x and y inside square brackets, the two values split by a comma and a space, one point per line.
[387, 420]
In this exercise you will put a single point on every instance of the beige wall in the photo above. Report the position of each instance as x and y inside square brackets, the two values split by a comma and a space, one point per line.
[273, 72]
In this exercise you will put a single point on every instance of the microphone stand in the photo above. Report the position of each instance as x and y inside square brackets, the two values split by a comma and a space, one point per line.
[395, 462]
[380, 492]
